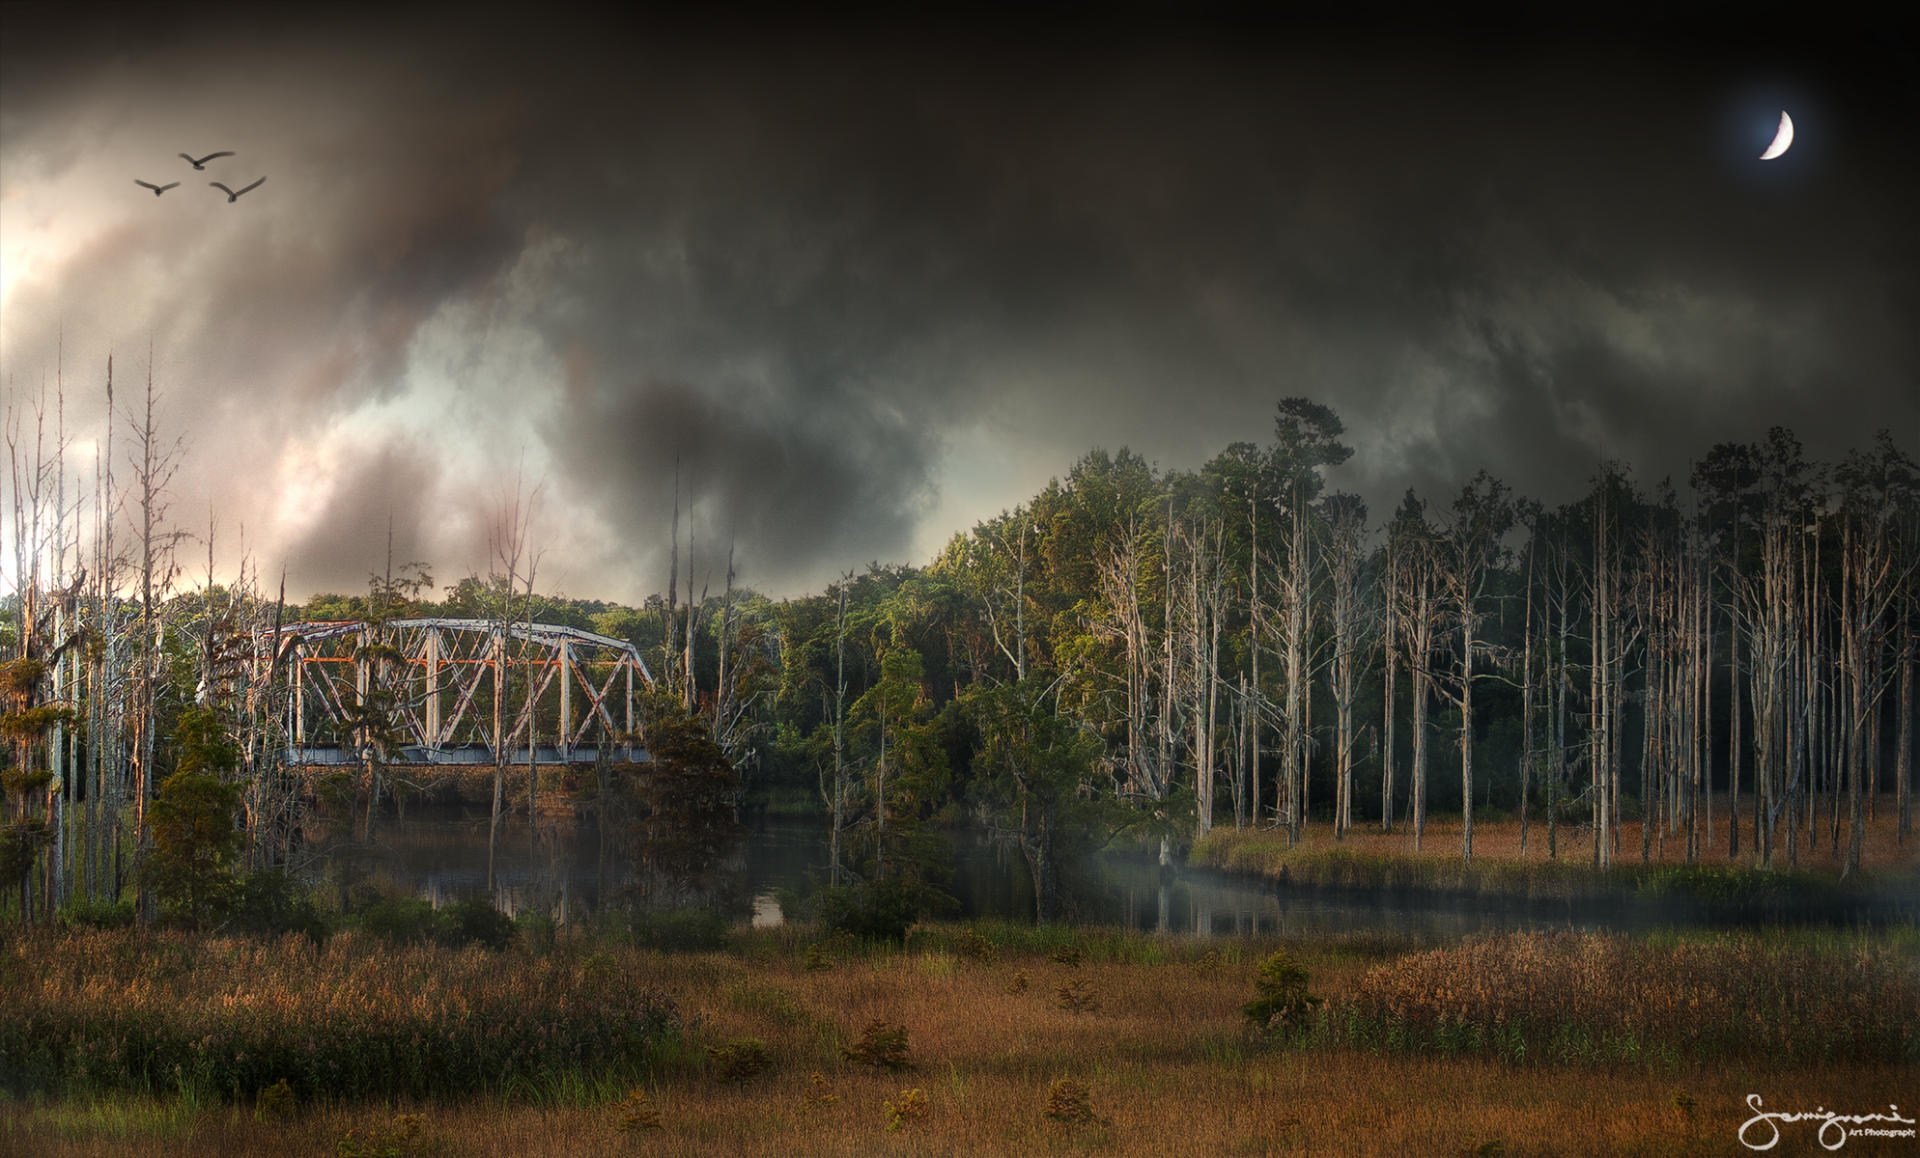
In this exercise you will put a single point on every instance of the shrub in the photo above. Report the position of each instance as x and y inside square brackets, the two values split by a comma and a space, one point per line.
[739, 1059]
[678, 930]
[195, 842]
[637, 1112]
[406, 1138]
[1069, 955]
[103, 914]
[818, 1092]
[1070, 1102]
[411, 921]
[880, 1046]
[912, 1106]
[473, 922]
[399, 920]
[873, 911]
[536, 929]
[273, 903]
[1284, 1001]
[971, 944]
[277, 1102]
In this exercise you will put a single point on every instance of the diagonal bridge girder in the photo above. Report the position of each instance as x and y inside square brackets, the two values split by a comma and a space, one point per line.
[455, 687]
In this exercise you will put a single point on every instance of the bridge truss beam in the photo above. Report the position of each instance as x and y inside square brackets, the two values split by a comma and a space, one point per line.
[461, 689]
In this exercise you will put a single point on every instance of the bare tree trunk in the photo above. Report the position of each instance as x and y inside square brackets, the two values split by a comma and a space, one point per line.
[835, 869]
[1903, 769]
[1563, 687]
[1526, 690]
[1420, 641]
[1466, 739]
[1387, 659]
[1601, 759]
[153, 470]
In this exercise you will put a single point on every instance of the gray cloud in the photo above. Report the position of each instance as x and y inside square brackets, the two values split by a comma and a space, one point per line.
[821, 266]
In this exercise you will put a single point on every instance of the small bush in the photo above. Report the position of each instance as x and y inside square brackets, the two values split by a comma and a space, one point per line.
[1018, 985]
[536, 929]
[1069, 955]
[817, 959]
[85, 914]
[636, 1111]
[399, 920]
[1284, 1001]
[1070, 1102]
[971, 944]
[912, 1106]
[1686, 1106]
[874, 911]
[739, 1059]
[473, 922]
[818, 1092]
[406, 1138]
[277, 1102]
[880, 1046]
[273, 903]
[678, 930]
[410, 921]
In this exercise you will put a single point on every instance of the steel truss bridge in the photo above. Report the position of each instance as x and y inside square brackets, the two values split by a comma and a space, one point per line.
[452, 687]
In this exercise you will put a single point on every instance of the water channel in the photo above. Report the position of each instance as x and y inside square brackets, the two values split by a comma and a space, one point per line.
[439, 853]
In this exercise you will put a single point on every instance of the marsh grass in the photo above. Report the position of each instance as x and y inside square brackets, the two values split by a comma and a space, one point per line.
[1171, 1065]
[1368, 859]
[167, 1014]
[1590, 998]
[1351, 1104]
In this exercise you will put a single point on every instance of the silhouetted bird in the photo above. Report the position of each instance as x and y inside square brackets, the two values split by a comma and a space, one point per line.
[202, 162]
[157, 189]
[232, 195]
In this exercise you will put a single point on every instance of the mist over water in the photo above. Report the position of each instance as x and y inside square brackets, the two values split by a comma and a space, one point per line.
[439, 853]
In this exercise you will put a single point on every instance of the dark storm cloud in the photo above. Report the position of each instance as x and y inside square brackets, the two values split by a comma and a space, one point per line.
[820, 264]
[345, 536]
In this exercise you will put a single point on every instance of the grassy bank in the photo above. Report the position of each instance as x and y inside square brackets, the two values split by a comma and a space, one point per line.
[172, 1014]
[1017, 1040]
[1368, 859]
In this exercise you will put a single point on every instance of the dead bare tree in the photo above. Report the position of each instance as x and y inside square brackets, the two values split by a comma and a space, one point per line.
[154, 464]
[1346, 519]
[509, 542]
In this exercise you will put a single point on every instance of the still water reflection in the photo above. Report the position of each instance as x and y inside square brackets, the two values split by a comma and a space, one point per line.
[440, 854]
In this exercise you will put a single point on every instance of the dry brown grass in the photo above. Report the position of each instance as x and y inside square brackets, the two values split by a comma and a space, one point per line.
[1588, 997]
[167, 1012]
[1499, 840]
[1271, 1104]
[1367, 857]
[1167, 1065]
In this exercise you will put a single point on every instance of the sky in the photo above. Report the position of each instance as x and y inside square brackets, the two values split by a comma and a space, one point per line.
[853, 280]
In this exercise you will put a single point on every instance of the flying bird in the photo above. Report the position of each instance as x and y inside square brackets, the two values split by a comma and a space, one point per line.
[202, 162]
[157, 189]
[232, 195]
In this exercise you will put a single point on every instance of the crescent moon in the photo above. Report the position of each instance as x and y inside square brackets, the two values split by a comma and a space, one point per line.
[1782, 140]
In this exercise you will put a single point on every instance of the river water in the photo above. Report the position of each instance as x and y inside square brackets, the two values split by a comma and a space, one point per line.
[439, 853]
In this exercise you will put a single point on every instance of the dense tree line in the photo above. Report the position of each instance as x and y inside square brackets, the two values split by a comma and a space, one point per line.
[1130, 650]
